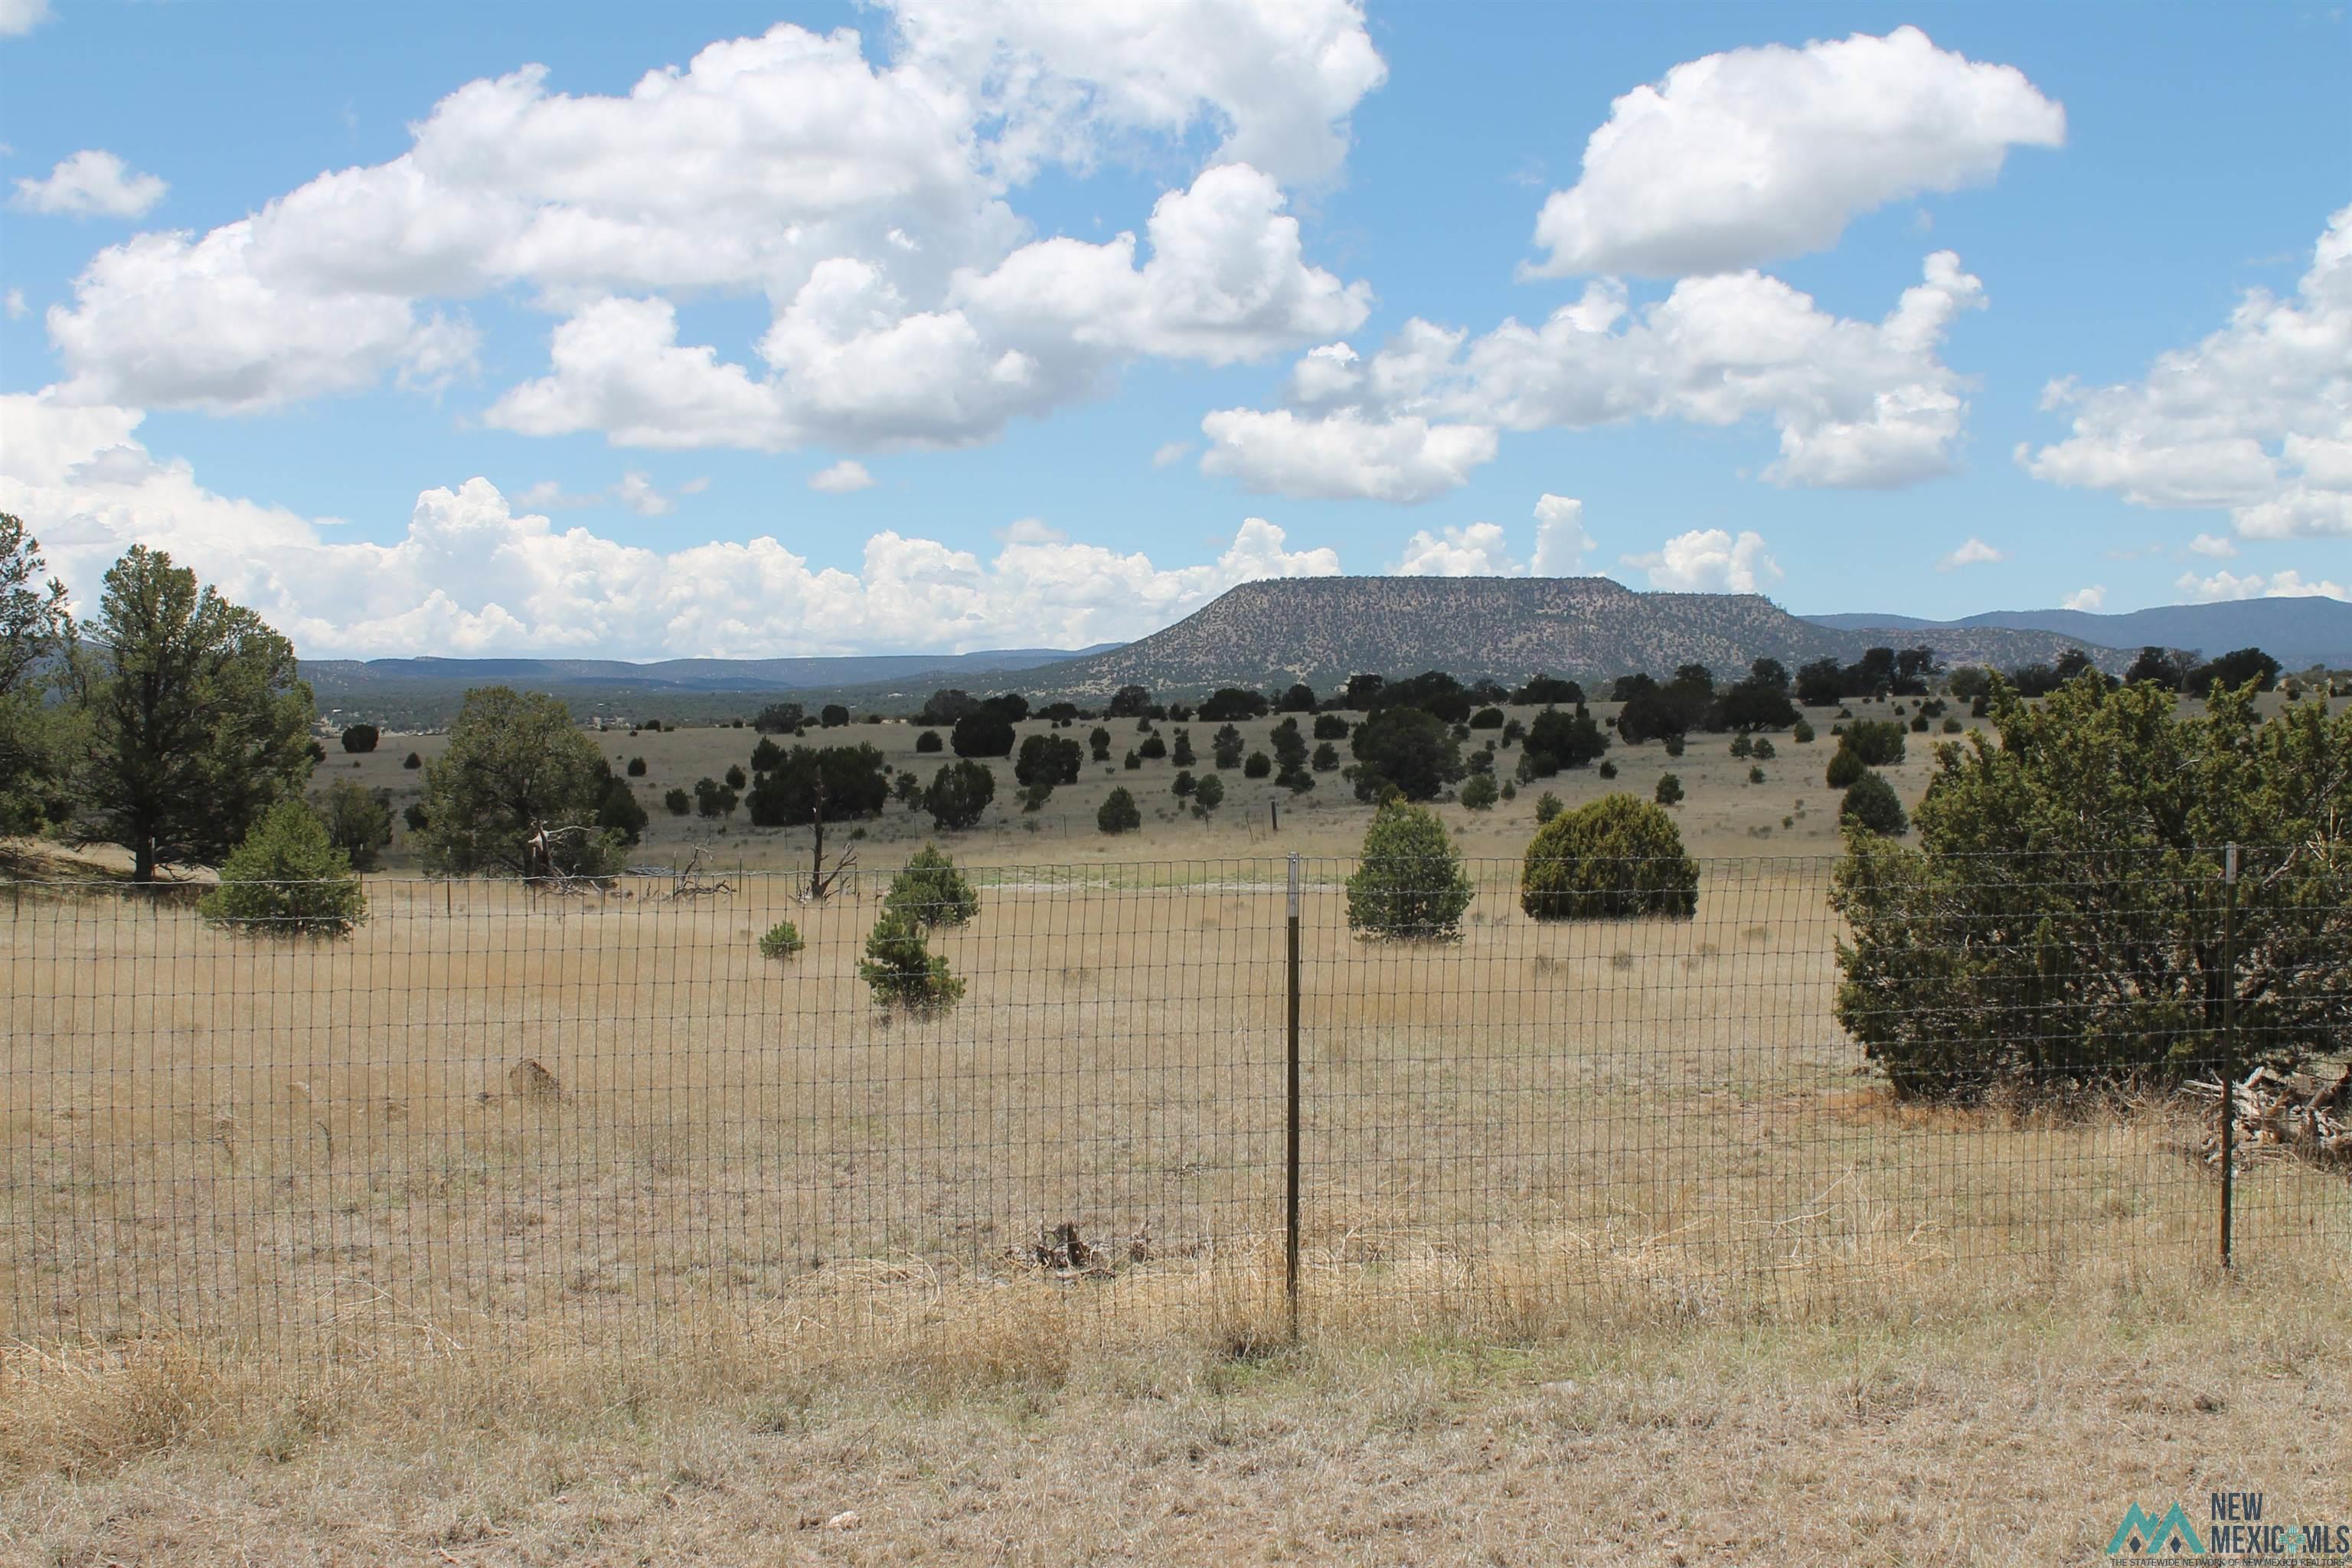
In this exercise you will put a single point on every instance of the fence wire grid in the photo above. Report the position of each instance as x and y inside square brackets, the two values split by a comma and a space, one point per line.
[493, 1107]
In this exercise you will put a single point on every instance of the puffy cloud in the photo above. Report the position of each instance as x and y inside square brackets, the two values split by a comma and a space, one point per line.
[18, 18]
[1170, 452]
[1708, 561]
[166, 318]
[841, 477]
[1342, 455]
[1857, 403]
[1477, 551]
[2212, 544]
[635, 491]
[2287, 584]
[2087, 599]
[2256, 419]
[471, 574]
[853, 363]
[1975, 552]
[1560, 539]
[1737, 158]
[1279, 80]
[92, 182]
[866, 202]
[16, 308]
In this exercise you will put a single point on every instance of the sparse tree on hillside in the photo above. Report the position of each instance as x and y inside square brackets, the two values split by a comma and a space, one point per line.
[1410, 749]
[197, 722]
[1410, 881]
[285, 879]
[1613, 859]
[360, 737]
[1119, 813]
[959, 793]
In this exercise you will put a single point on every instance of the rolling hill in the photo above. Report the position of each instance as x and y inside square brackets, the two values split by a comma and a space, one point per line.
[2298, 633]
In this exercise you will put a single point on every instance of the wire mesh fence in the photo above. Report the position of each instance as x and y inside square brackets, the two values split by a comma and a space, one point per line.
[619, 1112]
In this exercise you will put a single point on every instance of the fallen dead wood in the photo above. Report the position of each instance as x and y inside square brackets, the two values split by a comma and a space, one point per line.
[2298, 1116]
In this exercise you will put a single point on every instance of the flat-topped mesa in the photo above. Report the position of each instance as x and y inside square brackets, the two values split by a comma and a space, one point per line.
[1321, 630]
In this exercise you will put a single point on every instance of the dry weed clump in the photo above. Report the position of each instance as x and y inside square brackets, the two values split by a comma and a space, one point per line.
[75, 1409]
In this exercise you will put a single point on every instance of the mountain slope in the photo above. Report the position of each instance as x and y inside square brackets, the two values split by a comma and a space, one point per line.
[2298, 633]
[1323, 629]
[354, 678]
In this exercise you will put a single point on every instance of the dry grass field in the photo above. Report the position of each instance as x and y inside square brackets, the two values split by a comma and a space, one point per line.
[1611, 1249]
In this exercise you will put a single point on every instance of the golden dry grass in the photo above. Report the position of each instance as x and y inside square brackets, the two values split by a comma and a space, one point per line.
[291, 1235]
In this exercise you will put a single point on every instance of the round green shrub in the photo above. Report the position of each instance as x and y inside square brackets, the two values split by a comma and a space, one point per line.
[1480, 792]
[1755, 775]
[1801, 732]
[1669, 791]
[931, 892]
[287, 880]
[929, 741]
[902, 970]
[1872, 805]
[413, 761]
[1410, 882]
[1548, 805]
[1607, 770]
[1844, 769]
[1209, 795]
[1119, 813]
[1258, 765]
[1674, 745]
[781, 941]
[1613, 859]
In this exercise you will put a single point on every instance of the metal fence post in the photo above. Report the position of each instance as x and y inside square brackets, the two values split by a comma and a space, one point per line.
[2229, 1043]
[1290, 1124]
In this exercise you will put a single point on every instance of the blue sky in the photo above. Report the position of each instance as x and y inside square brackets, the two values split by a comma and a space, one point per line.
[825, 342]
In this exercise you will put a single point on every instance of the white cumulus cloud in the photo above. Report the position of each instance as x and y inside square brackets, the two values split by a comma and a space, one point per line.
[1560, 539]
[1478, 550]
[18, 18]
[2256, 419]
[1344, 456]
[2286, 585]
[1857, 403]
[1708, 561]
[1974, 552]
[1735, 158]
[2213, 544]
[840, 479]
[471, 573]
[2089, 598]
[92, 182]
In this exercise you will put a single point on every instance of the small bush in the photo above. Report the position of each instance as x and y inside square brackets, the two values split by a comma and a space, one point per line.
[1152, 749]
[1481, 792]
[1486, 719]
[415, 816]
[1184, 785]
[1763, 750]
[1607, 770]
[1326, 757]
[413, 761]
[1743, 744]
[287, 880]
[1120, 813]
[1133, 764]
[735, 777]
[1330, 727]
[1209, 795]
[1669, 791]
[1952, 726]
[1872, 805]
[1510, 790]
[1844, 769]
[679, 802]
[1755, 775]
[931, 892]
[928, 742]
[360, 738]
[635, 769]
[1674, 745]
[781, 941]
[1548, 805]
[902, 970]
[1918, 723]
[959, 793]
[1258, 766]
[1410, 883]
[1613, 859]
[1801, 732]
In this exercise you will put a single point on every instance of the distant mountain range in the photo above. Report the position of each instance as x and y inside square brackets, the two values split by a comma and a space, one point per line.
[1321, 630]
[2298, 633]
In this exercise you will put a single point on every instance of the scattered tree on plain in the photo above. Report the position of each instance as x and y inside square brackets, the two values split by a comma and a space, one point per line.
[518, 792]
[2029, 940]
[197, 723]
[931, 892]
[1410, 881]
[1410, 749]
[286, 880]
[1119, 812]
[902, 970]
[358, 822]
[1614, 859]
[958, 795]
[36, 653]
